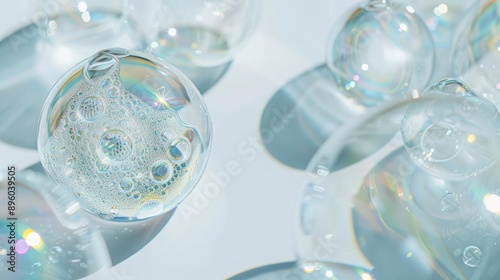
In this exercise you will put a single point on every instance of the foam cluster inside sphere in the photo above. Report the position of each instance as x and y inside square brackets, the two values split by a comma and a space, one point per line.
[127, 134]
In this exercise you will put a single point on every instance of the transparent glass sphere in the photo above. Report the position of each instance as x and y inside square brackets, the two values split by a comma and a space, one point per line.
[476, 56]
[76, 21]
[375, 209]
[126, 133]
[48, 237]
[198, 32]
[378, 52]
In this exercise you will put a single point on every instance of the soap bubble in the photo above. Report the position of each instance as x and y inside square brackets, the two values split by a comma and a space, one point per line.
[135, 133]
[377, 210]
[452, 139]
[53, 238]
[379, 52]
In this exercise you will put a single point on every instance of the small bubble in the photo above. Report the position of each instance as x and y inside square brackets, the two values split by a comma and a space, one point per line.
[136, 195]
[139, 151]
[55, 254]
[113, 93]
[126, 185]
[90, 108]
[472, 256]
[441, 143]
[450, 202]
[180, 150]
[116, 145]
[101, 166]
[72, 116]
[161, 171]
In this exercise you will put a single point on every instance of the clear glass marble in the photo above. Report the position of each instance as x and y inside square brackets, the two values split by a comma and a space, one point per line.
[54, 239]
[126, 133]
[378, 52]
[198, 32]
[374, 208]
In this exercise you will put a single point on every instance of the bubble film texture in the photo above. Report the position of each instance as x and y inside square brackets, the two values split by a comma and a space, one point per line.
[125, 153]
[380, 52]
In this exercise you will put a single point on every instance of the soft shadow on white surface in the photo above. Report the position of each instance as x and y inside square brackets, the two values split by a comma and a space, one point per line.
[301, 115]
[123, 239]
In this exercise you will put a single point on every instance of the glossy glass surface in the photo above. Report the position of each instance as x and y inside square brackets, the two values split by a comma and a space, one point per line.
[126, 133]
[378, 52]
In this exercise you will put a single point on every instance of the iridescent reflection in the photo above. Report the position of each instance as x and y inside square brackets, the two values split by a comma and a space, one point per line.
[379, 53]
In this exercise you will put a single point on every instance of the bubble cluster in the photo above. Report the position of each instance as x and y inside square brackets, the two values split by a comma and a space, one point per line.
[452, 138]
[122, 158]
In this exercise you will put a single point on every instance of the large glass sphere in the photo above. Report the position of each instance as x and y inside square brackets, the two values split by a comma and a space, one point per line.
[197, 32]
[47, 236]
[410, 191]
[378, 52]
[126, 133]
[476, 56]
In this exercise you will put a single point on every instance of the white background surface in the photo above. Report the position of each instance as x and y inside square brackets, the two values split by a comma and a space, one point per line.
[249, 223]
